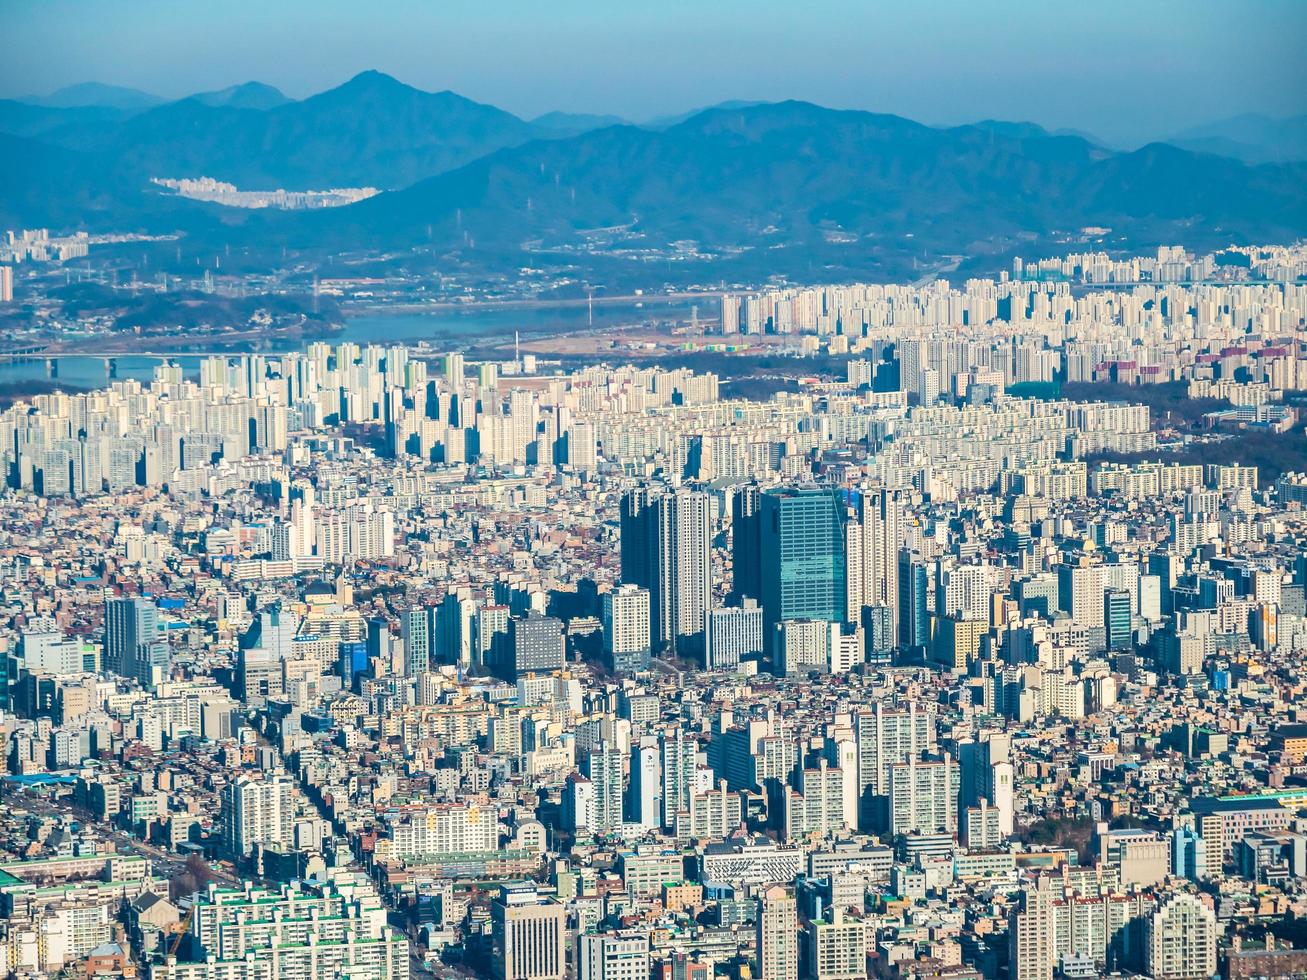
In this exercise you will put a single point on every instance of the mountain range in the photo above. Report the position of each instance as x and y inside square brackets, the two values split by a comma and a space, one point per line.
[1251, 138]
[770, 178]
[742, 185]
[96, 95]
[371, 131]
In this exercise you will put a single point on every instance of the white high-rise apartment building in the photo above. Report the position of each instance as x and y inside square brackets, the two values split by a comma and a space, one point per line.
[644, 797]
[805, 645]
[924, 797]
[837, 947]
[1180, 939]
[776, 935]
[581, 446]
[603, 767]
[732, 634]
[730, 314]
[331, 538]
[626, 621]
[882, 525]
[964, 591]
[677, 763]
[714, 814]
[257, 811]
[446, 828]
[360, 532]
[818, 807]
[886, 736]
[1080, 593]
[1054, 920]
[316, 929]
[1032, 935]
[372, 534]
[613, 956]
[454, 370]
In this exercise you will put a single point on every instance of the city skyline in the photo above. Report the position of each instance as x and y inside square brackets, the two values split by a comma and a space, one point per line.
[797, 540]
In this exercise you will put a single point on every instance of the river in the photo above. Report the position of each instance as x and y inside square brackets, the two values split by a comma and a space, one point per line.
[447, 329]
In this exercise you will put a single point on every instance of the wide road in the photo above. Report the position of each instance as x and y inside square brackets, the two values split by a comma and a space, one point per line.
[167, 864]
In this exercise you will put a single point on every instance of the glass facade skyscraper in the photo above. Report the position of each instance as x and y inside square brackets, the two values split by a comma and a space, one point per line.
[134, 643]
[1116, 618]
[914, 589]
[802, 555]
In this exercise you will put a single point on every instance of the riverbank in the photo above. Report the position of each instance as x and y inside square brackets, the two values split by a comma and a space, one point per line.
[14, 391]
[651, 300]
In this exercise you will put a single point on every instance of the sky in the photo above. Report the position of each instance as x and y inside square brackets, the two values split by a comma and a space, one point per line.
[1124, 70]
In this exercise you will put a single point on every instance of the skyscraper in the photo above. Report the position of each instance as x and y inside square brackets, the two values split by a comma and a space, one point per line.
[603, 767]
[644, 795]
[777, 935]
[454, 370]
[452, 629]
[881, 513]
[415, 630]
[676, 756]
[134, 645]
[666, 548]
[885, 737]
[914, 589]
[986, 774]
[257, 811]
[532, 645]
[1032, 937]
[490, 622]
[880, 632]
[578, 809]
[1116, 618]
[923, 797]
[733, 633]
[746, 543]
[730, 314]
[527, 936]
[1080, 594]
[626, 627]
[581, 446]
[802, 554]
[1180, 939]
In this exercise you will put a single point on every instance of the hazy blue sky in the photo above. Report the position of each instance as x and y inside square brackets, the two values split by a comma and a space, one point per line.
[1124, 69]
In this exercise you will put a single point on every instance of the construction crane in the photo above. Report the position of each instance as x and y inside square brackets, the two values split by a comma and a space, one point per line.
[181, 931]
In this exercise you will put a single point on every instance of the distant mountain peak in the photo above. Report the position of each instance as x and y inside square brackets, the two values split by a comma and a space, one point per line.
[575, 123]
[1015, 129]
[1250, 137]
[372, 130]
[95, 94]
[666, 122]
[373, 80]
[247, 95]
